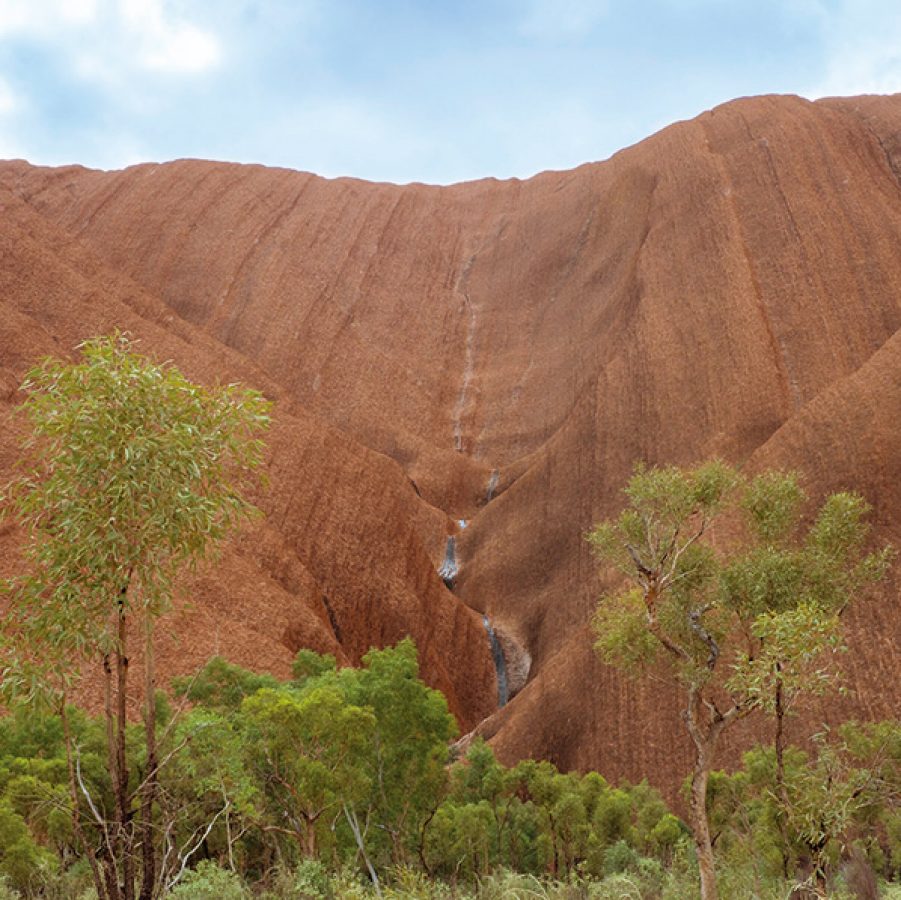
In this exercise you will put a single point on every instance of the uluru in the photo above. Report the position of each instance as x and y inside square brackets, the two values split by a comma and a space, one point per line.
[468, 374]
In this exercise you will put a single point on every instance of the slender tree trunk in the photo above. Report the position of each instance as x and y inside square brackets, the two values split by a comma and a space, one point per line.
[111, 877]
[421, 848]
[309, 838]
[149, 791]
[229, 842]
[352, 820]
[705, 735]
[700, 829]
[781, 791]
[112, 849]
[553, 861]
[77, 830]
[123, 810]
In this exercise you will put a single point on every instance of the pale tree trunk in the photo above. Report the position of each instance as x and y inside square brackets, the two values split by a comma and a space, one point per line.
[352, 820]
[705, 730]
[700, 830]
[77, 830]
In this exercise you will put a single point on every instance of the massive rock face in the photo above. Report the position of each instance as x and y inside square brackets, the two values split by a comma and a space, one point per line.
[501, 353]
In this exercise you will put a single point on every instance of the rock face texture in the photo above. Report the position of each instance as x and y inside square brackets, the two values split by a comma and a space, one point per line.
[499, 353]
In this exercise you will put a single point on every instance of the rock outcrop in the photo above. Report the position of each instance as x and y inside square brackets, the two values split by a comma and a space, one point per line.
[499, 352]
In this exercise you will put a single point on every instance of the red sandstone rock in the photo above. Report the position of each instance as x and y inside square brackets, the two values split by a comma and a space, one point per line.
[731, 286]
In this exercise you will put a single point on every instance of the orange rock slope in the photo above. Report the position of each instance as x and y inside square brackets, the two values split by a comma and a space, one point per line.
[499, 353]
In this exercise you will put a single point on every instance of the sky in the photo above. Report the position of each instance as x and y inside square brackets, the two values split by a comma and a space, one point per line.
[410, 90]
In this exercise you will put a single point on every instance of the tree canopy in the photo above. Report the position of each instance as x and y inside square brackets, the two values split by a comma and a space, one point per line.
[748, 621]
[133, 472]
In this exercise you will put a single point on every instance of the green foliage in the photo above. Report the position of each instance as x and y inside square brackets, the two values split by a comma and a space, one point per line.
[846, 790]
[620, 886]
[661, 502]
[856, 774]
[221, 686]
[331, 749]
[666, 833]
[311, 880]
[535, 819]
[410, 744]
[491, 831]
[749, 624]
[772, 502]
[623, 639]
[461, 838]
[771, 603]
[22, 860]
[620, 857]
[309, 752]
[612, 820]
[209, 882]
[806, 636]
[656, 542]
[134, 471]
[309, 664]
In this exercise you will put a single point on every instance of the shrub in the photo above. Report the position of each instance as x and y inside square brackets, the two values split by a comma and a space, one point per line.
[620, 858]
[210, 882]
[616, 887]
[311, 881]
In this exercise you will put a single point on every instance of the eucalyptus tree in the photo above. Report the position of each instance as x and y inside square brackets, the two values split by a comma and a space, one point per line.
[795, 580]
[308, 752]
[134, 472]
[751, 623]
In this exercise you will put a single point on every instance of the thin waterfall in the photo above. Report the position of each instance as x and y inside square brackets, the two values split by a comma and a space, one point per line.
[448, 572]
[492, 485]
[449, 568]
[500, 664]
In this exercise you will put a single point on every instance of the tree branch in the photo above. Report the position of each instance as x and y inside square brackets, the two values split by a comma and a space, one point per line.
[694, 622]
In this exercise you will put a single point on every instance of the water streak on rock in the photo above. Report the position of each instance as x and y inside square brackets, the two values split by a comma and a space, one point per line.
[449, 569]
[492, 485]
[500, 664]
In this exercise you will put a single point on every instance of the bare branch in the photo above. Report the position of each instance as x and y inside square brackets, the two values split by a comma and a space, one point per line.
[681, 550]
[642, 568]
[100, 819]
[186, 856]
[694, 622]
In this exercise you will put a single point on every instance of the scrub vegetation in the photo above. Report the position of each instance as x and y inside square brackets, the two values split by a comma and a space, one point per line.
[345, 782]
[340, 783]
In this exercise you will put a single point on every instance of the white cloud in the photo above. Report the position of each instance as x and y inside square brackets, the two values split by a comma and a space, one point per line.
[871, 68]
[165, 42]
[862, 46]
[107, 39]
[186, 49]
[36, 17]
